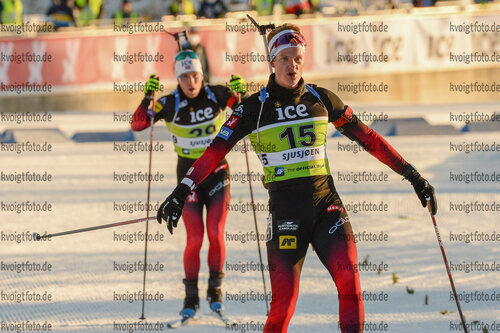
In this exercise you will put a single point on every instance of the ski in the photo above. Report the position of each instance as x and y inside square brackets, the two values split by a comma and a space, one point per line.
[180, 322]
[220, 315]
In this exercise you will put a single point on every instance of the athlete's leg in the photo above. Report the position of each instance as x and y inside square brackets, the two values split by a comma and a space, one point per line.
[217, 202]
[285, 278]
[192, 215]
[288, 240]
[217, 198]
[333, 241]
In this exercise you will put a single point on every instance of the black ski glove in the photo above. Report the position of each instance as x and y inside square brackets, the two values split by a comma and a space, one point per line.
[171, 209]
[424, 190]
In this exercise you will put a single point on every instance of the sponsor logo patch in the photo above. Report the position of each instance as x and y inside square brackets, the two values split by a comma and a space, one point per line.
[288, 242]
[192, 197]
[220, 167]
[225, 133]
[187, 64]
[239, 110]
[231, 122]
[288, 225]
[218, 187]
[269, 230]
[279, 171]
[335, 207]
[340, 222]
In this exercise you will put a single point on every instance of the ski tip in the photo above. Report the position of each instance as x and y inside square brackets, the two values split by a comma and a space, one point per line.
[173, 325]
[178, 323]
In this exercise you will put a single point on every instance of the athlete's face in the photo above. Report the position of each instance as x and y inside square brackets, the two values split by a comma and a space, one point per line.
[288, 67]
[191, 83]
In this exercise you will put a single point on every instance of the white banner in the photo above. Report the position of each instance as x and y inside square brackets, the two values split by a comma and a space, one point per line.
[406, 43]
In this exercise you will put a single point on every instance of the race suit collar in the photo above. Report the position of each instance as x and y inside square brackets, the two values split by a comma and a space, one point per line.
[275, 89]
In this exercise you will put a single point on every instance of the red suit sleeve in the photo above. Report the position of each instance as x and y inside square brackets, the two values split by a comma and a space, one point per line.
[233, 101]
[208, 161]
[349, 125]
[140, 119]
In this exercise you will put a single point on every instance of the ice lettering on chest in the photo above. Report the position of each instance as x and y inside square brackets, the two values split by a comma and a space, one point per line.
[291, 111]
[201, 115]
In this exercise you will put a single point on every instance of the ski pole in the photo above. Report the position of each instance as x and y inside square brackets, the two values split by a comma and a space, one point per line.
[262, 31]
[37, 236]
[256, 227]
[142, 317]
[176, 35]
[447, 266]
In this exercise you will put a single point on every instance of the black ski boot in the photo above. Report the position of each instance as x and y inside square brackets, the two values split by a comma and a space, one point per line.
[191, 301]
[214, 292]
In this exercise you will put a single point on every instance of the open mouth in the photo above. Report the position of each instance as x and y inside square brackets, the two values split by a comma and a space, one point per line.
[292, 75]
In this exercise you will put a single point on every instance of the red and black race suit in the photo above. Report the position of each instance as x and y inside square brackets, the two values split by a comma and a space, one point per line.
[214, 192]
[304, 210]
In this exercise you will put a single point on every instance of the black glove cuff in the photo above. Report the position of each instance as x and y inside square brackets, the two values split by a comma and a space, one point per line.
[181, 191]
[411, 174]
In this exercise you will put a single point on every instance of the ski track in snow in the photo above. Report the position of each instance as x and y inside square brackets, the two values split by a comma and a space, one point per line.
[83, 281]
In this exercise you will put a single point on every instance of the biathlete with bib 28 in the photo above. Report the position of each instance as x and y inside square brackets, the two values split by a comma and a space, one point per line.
[194, 113]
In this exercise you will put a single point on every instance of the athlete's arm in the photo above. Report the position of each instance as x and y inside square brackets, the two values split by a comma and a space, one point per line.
[142, 115]
[352, 127]
[232, 96]
[141, 119]
[232, 101]
[227, 97]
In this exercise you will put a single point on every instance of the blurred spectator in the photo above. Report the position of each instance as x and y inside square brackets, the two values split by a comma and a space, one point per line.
[212, 9]
[89, 10]
[264, 7]
[194, 43]
[297, 7]
[182, 7]
[314, 5]
[125, 15]
[424, 3]
[11, 11]
[62, 13]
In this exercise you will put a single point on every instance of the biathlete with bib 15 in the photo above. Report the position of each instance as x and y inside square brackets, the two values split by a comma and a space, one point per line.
[194, 113]
[287, 125]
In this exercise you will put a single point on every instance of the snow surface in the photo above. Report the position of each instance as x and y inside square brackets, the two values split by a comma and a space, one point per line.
[83, 281]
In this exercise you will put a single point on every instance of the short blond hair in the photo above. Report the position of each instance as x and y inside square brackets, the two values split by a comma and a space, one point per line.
[286, 26]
